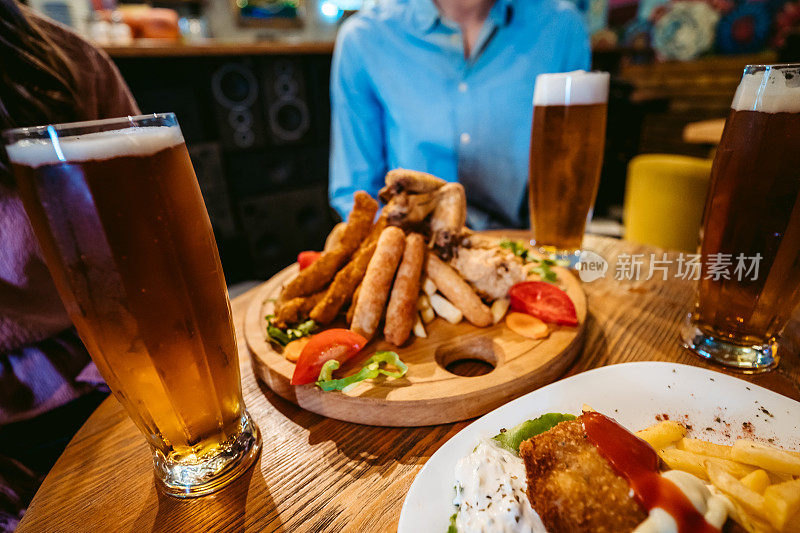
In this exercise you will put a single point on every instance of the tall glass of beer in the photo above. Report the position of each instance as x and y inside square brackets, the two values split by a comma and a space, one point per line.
[750, 275]
[567, 142]
[119, 216]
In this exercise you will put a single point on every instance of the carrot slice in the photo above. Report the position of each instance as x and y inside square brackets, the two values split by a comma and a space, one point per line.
[526, 325]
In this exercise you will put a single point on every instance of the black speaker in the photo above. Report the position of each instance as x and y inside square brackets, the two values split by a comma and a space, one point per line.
[175, 88]
[319, 80]
[237, 102]
[278, 226]
[272, 170]
[286, 108]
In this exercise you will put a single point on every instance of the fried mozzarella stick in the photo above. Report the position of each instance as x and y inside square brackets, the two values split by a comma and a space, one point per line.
[348, 278]
[296, 310]
[402, 308]
[352, 309]
[316, 276]
[378, 281]
[458, 291]
[335, 236]
[343, 286]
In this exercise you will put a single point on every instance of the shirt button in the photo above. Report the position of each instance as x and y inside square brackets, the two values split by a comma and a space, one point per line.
[465, 138]
[462, 87]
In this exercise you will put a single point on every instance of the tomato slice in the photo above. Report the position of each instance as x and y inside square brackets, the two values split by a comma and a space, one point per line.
[545, 301]
[305, 259]
[339, 344]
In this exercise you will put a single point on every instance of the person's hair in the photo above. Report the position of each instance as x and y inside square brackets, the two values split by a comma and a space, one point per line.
[37, 81]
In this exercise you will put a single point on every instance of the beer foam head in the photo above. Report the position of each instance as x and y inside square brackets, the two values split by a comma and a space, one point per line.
[571, 88]
[769, 90]
[94, 146]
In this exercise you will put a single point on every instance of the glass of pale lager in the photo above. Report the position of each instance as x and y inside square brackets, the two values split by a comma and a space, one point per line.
[567, 142]
[750, 274]
[119, 216]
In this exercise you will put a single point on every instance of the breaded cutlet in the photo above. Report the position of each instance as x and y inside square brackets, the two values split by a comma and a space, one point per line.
[573, 488]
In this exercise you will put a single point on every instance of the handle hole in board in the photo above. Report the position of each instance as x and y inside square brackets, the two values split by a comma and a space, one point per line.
[475, 357]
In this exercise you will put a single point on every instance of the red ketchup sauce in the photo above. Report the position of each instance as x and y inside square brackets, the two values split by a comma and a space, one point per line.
[637, 462]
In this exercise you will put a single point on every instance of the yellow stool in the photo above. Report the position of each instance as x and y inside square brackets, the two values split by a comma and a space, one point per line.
[664, 200]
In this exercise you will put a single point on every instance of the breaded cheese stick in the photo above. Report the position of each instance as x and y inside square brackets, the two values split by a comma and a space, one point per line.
[343, 285]
[378, 281]
[296, 309]
[458, 291]
[321, 271]
[348, 278]
[335, 236]
[352, 309]
[402, 308]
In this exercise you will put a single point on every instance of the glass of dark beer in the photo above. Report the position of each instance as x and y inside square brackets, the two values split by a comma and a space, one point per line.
[119, 216]
[567, 142]
[751, 226]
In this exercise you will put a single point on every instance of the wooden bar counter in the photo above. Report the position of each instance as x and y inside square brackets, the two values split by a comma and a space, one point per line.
[319, 474]
[211, 48]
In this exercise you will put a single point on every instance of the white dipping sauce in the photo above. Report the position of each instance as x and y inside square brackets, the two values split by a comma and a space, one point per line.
[490, 492]
[713, 507]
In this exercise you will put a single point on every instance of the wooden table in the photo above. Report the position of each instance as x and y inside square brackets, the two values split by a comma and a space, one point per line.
[318, 474]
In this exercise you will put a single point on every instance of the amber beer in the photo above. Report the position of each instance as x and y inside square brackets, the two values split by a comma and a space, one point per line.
[566, 155]
[123, 227]
[753, 210]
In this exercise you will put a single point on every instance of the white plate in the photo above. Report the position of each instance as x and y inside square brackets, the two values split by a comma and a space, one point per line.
[718, 407]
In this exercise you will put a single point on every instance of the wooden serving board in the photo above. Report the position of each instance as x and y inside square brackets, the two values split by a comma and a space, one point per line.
[428, 394]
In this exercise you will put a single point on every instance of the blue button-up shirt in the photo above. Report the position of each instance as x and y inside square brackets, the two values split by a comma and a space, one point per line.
[404, 95]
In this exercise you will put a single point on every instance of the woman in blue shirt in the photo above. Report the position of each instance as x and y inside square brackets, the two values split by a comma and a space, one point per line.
[447, 90]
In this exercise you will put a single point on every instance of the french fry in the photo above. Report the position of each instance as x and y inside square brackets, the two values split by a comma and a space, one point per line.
[428, 315]
[793, 526]
[662, 434]
[748, 499]
[423, 302]
[704, 448]
[757, 480]
[766, 457]
[698, 464]
[685, 461]
[499, 309]
[750, 522]
[781, 502]
[428, 286]
[734, 468]
[425, 310]
[419, 328]
[779, 477]
[445, 309]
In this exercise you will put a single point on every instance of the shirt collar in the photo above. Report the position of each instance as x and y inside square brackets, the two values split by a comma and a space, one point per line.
[425, 14]
[501, 13]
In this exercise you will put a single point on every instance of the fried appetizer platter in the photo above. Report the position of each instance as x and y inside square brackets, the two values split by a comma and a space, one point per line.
[561, 474]
[392, 271]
